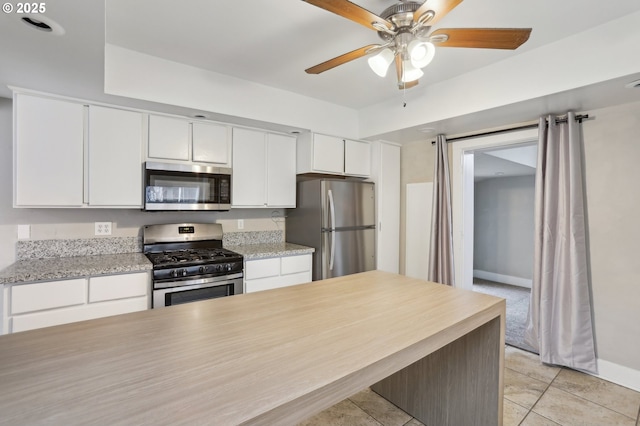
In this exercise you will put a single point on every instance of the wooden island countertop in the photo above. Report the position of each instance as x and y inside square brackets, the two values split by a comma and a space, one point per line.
[271, 357]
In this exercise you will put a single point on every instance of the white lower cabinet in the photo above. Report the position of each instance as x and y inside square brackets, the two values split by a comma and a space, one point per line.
[275, 272]
[49, 303]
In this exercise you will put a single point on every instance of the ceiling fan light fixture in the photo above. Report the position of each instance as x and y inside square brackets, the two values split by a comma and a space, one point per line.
[380, 62]
[421, 53]
[409, 72]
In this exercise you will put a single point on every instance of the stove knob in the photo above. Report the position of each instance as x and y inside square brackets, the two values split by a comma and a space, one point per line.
[174, 273]
[228, 267]
[183, 272]
[202, 269]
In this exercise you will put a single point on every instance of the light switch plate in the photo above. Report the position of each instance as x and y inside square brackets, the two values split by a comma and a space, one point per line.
[240, 223]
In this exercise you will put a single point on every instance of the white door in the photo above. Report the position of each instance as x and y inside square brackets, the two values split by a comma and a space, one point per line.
[168, 138]
[249, 169]
[49, 146]
[281, 171]
[212, 143]
[357, 158]
[115, 157]
[389, 208]
[328, 154]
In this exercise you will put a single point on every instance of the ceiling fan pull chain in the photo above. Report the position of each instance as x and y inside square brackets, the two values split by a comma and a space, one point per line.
[404, 95]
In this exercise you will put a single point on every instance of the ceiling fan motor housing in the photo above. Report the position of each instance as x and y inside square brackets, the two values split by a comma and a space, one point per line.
[400, 14]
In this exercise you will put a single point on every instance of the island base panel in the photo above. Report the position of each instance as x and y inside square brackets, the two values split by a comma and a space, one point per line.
[459, 384]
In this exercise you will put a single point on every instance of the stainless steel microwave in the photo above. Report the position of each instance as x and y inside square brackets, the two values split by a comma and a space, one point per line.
[171, 186]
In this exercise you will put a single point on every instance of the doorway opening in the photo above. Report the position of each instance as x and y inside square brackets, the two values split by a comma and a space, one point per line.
[493, 205]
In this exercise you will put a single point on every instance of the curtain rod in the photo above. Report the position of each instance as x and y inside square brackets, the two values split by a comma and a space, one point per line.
[561, 119]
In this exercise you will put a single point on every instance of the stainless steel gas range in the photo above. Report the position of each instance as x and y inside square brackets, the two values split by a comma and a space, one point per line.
[189, 263]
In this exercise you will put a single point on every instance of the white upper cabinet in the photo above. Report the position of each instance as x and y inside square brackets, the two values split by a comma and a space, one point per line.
[70, 154]
[179, 139]
[49, 152]
[249, 168]
[168, 138]
[281, 170]
[328, 154]
[211, 143]
[318, 153]
[357, 158]
[264, 169]
[115, 157]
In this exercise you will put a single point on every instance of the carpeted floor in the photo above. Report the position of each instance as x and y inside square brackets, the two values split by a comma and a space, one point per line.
[517, 309]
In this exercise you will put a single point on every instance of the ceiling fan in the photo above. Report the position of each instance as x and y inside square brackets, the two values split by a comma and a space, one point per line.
[405, 29]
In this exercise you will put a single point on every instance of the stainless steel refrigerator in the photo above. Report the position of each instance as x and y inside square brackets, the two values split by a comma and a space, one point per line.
[337, 218]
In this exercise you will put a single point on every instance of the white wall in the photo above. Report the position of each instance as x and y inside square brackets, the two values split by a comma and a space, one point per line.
[612, 153]
[141, 76]
[79, 223]
[503, 229]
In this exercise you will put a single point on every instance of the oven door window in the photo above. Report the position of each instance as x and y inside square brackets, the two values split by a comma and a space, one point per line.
[178, 187]
[179, 297]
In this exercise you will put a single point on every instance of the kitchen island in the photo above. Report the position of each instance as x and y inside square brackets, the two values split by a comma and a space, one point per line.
[271, 357]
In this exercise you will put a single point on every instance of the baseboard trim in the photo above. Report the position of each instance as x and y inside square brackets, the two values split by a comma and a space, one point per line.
[505, 279]
[619, 374]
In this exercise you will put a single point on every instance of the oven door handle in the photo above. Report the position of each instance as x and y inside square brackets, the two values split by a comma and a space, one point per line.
[210, 280]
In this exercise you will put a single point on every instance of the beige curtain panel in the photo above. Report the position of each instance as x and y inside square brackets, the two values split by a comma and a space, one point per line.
[441, 244]
[559, 323]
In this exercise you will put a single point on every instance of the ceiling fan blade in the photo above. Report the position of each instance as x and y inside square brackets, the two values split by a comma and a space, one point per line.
[407, 85]
[401, 85]
[342, 59]
[439, 7]
[485, 38]
[352, 11]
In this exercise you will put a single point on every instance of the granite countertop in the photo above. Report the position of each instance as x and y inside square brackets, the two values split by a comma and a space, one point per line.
[261, 251]
[76, 264]
[55, 268]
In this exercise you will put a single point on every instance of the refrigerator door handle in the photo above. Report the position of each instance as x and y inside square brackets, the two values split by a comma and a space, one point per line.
[332, 213]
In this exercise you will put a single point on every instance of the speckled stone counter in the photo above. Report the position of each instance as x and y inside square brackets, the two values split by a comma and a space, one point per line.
[260, 251]
[73, 267]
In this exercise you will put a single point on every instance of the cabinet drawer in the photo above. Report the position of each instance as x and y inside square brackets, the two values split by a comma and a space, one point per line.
[118, 287]
[295, 264]
[77, 313]
[47, 295]
[262, 268]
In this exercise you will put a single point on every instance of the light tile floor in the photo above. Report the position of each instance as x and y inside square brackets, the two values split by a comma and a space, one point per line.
[534, 395]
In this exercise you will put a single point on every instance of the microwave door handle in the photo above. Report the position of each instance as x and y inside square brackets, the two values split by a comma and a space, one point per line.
[332, 215]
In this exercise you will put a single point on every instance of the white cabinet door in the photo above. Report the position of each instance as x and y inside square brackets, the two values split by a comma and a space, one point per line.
[357, 158]
[212, 143]
[249, 168]
[388, 187]
[281, 171]
[168, 138]
[328, 154]
[49, 152]
[47, 295]
[113, 287]
[276, 272]
[115, 157]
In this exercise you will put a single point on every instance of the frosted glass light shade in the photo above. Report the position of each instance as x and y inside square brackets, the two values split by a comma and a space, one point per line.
[421, 53]
[409, 72]
[380, 62]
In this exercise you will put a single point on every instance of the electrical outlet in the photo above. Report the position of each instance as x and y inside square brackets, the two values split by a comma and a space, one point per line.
[240, 223]
[103, 228]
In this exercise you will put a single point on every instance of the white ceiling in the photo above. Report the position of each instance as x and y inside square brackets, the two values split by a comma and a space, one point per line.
[271, 42]
[505, 162]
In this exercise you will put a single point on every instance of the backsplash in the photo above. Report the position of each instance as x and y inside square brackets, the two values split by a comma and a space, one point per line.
[39, 249]
[253, 237]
